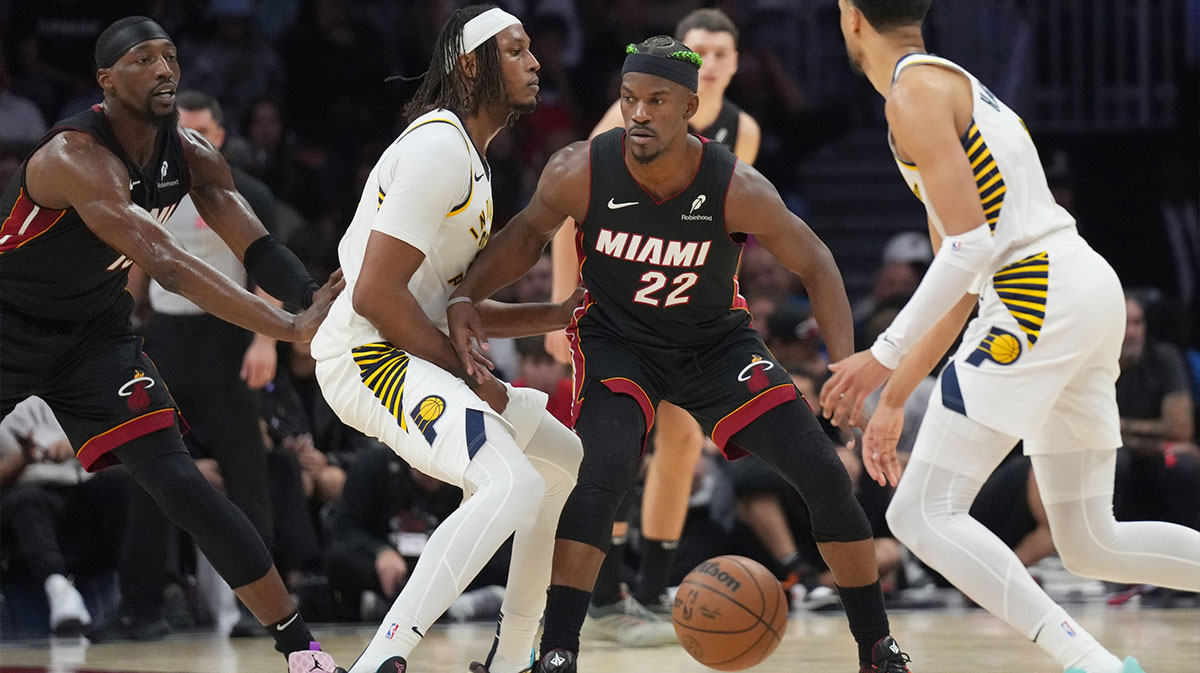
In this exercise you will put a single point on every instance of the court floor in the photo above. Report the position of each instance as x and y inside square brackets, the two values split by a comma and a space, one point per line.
[943, 641]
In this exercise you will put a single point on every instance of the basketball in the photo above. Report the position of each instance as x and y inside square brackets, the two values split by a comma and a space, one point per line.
[730, 613]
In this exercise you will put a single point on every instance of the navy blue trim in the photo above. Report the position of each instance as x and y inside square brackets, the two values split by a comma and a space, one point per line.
[952, 397]
[475, 432]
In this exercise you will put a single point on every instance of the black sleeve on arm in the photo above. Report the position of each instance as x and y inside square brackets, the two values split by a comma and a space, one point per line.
[280, 272]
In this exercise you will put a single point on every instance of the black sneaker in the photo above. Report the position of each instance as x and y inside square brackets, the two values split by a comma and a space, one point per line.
[886, 657]
[556, 661]
[393, 665]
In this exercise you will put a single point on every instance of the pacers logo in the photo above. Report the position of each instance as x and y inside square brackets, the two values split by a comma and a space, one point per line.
[135, 391]
[755, 373]
[426, 413]
[998, 346]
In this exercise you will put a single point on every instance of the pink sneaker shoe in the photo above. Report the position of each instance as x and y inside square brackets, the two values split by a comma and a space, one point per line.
[312, 660]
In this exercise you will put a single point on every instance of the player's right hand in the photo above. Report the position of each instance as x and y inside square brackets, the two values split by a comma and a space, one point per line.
[558, 346]
[494, 393]
[879, 444]
[465, 323]
[304, 325]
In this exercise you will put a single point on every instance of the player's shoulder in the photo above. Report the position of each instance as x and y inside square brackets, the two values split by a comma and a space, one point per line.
[748, 182]
[437, 125]
[919, 89]
[569, 163]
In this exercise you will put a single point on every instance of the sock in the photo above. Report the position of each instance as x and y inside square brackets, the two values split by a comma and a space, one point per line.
[566, 608]
[608, 582]
[1071, 646]
[658, 559]
[868, 618]
[291, 634]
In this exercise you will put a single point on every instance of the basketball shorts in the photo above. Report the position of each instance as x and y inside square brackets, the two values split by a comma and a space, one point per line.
[428, 416]
[103, 389]
[724, 386]
[1040, 360]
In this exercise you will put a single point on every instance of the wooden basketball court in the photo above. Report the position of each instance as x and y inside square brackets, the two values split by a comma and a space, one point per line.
[942, 641]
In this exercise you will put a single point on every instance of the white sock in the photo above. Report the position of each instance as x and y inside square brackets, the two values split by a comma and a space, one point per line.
[1070, 645]
[507, 493]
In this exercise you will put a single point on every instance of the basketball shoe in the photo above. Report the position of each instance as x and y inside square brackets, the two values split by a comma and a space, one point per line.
[393, 665]
[312, 660]
[1131, 666]
[629, 623]
[556, 661]
[886, 657]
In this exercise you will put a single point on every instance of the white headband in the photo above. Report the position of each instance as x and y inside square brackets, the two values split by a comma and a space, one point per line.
[485, 26]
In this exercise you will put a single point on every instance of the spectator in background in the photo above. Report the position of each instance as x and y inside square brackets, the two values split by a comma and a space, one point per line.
[1158, 469]
[272, 157]
[795, 340]
[1010, 505]
[21, 122]
[541, 371]
[905, 258]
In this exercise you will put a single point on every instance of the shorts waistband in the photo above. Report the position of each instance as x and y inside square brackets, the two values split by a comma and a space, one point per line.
[1056, 238]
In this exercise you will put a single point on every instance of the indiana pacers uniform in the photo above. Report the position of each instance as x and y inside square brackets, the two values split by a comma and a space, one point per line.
[1040, 360]
[427, 415]
[64, 311]
[663, 319]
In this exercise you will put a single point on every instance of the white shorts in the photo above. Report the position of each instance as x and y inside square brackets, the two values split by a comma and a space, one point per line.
[1040, 360]
[428, 416]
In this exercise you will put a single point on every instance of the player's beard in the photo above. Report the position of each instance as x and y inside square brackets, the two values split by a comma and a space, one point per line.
[646, 158]
[164, 121]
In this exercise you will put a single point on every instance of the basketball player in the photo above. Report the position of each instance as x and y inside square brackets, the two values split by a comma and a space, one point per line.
[387, 368]
[663, 215]
[678, 438]
[86, 205]
[1039, 363]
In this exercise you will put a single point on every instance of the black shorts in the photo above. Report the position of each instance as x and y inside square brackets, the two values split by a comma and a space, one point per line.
[724, 386]
[103, 389]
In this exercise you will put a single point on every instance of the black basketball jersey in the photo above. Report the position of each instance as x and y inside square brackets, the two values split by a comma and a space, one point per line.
[51, 265]
[724, 128]
[659, 273]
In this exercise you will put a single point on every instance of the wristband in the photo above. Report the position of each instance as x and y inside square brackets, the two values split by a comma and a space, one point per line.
[455, 300]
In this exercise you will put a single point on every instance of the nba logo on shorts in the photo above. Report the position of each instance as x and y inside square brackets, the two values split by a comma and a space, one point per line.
[391, 632]
[1066, 626]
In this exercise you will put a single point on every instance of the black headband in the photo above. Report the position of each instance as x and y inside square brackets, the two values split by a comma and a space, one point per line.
[680, 72]
[116, 40]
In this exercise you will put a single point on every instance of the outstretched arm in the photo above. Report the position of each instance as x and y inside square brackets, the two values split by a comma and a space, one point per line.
[754, 207]
[72, 170]
[273, 267]
[562, 192]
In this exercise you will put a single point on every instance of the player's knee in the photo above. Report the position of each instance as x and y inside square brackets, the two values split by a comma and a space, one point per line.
[176, 486]
[555, 452]
[904, 517]
[524, 490]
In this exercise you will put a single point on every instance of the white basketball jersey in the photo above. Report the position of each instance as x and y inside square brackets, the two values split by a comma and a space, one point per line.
[1008, 172]
[450, 244]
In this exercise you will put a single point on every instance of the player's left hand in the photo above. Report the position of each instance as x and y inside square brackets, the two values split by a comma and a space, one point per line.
[465, 323]
[305, 324]
[568, 305]
[258, 364]
[843, 395]
[879, 444]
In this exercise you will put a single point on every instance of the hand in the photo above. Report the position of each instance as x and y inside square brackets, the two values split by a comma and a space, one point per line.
[559, 346]
[465, 323]
[494, 393]
[853, 379]
[391, 569]
[212, 472]
[258, 364]
[568, 305]
[879, 444]
[59, 451]
[304, 325]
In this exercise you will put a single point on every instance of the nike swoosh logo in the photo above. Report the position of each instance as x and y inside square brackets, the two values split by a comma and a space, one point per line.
[280, 627]
[134, 183]
[418, 632]
[613, 205]
[478, 177]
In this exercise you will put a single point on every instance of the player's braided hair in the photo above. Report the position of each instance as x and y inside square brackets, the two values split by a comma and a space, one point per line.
[445, 85]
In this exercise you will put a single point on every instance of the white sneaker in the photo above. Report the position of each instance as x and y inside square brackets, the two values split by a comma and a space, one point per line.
[68, 614]
[629, 623]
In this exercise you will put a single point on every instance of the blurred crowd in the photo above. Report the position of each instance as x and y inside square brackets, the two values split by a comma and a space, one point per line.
[294, 91]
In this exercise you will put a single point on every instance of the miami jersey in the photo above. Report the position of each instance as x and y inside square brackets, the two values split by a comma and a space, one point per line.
[432, 190]
[1012, 186]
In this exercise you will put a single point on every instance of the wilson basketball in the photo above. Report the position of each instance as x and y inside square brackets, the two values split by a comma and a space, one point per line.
[730, 613]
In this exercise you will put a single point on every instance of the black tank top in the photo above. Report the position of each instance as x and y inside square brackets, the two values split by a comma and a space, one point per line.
[51, 265]
[659, 273]
[724, 128]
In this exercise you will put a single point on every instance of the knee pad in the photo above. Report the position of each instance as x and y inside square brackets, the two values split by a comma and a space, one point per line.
[611, 427]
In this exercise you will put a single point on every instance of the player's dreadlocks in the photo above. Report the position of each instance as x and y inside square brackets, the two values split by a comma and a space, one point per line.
[445, 85]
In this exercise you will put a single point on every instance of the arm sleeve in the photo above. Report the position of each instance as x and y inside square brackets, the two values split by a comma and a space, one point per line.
[422, 178]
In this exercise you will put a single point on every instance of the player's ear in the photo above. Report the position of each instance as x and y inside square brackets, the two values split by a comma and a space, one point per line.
[104, 78]
[469, 65]
[693, 104]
